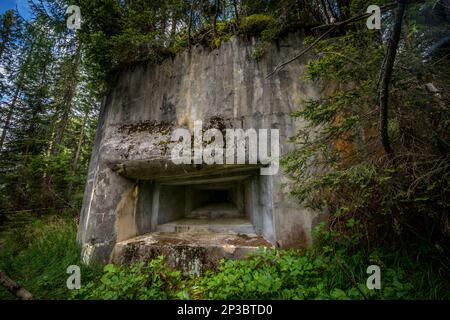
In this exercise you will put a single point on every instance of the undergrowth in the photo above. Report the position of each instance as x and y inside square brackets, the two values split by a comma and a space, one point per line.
[38, 256]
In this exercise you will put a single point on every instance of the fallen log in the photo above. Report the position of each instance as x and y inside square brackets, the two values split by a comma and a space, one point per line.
[15, 288]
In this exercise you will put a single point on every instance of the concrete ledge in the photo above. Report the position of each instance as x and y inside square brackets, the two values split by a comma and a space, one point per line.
[192, 253]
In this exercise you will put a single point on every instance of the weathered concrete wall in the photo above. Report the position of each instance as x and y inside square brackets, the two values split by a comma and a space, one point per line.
[199, 84]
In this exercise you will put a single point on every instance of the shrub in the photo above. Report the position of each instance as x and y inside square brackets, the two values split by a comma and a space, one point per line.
[223, 33]
[397, 199]
[255, 24]
[269, 274]
[139, 281]
[311, 274]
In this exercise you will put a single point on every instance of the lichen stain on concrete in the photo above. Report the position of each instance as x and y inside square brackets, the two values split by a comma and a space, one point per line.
[126, 226]
[296, 237]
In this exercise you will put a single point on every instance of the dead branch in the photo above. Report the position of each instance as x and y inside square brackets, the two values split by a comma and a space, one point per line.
[15, 288]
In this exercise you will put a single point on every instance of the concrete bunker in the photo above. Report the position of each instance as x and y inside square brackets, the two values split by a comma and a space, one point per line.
[137, 205]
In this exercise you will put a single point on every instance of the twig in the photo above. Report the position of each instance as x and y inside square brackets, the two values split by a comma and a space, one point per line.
[282, 65]
[342, 56]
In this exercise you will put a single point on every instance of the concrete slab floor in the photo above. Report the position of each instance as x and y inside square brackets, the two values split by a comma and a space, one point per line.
[235, 225]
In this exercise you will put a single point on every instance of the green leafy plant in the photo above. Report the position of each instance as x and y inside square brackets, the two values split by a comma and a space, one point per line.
[140, 281]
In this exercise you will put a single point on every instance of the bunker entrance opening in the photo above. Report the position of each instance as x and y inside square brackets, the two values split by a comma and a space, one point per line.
[212, 206]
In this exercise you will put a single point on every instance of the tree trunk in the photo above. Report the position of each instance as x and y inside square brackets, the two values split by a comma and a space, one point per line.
[174, 27]
[325, 11]
[216, 15]
[68, 98]
[387, 75]
[78, 151]
[8, 120]
[331, 13]
[12, 106]
[80, 140]
[8, 20]
[236, 13]
[15, 288]
[31, 132]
